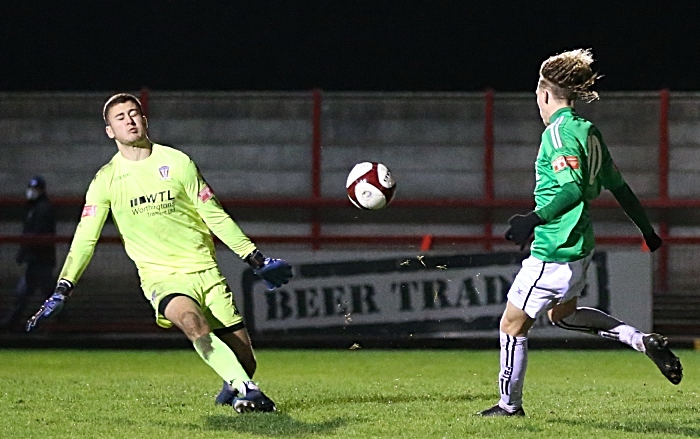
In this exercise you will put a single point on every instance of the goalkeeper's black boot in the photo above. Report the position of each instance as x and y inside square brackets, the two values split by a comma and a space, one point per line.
[657, 349]
[227, 394]
[251, 399]
[497, 410]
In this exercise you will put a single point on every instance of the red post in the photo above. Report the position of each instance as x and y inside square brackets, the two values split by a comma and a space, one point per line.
[316, 146]
[664, 147]
[143, 97]
[663, 144]
[488, 145]
[316, 167]
[662, 280]
[489, 193]
[426, 243]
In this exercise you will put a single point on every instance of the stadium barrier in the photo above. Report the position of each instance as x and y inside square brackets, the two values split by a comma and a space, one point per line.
[109, 299]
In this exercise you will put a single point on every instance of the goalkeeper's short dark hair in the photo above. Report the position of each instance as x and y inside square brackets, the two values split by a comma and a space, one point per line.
[119, 98]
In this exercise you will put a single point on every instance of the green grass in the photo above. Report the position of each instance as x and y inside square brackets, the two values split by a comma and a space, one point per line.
[343, 394]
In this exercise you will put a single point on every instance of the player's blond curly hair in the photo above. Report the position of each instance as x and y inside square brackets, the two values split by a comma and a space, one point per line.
[569, 75]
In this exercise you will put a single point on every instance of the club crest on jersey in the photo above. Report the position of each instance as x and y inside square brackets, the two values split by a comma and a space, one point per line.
[164, 172]
[205, 194]
[562, 162]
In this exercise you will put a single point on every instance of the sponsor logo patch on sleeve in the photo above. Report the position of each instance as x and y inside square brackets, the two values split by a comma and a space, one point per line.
[562, 162]
[89, 210]
[205, 194]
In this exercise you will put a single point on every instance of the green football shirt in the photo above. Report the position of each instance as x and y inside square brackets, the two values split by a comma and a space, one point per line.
[571, 151]
[163, 210]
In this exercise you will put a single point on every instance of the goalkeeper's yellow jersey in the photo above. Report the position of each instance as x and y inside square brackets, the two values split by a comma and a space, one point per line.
[163, 210]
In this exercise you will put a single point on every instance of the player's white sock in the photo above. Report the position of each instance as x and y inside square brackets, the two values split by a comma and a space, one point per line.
[597, 322]
[630, 336]
[512, 375]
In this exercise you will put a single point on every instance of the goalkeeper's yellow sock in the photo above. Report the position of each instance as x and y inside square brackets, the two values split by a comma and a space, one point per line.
[221, 358]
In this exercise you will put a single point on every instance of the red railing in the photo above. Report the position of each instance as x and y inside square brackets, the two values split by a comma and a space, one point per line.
[316, 238]
[666, 303]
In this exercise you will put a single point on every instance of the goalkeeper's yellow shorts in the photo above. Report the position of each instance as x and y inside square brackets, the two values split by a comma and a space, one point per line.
[207, 288]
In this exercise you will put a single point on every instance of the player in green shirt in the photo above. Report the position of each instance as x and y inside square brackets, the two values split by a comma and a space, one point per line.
[573, 165]
[164, 211]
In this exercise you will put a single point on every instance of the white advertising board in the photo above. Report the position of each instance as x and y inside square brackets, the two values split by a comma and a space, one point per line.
[434, 295]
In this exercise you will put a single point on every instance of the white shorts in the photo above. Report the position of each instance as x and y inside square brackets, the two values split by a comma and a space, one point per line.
[540, 285]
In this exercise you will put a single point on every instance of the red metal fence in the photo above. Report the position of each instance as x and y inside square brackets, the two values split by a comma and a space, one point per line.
[489, 204]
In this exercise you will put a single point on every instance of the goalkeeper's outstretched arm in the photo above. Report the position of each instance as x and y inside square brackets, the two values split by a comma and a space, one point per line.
[84, 241]
[81, 250]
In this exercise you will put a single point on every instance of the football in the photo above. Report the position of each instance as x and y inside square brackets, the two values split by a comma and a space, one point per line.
[370, 186]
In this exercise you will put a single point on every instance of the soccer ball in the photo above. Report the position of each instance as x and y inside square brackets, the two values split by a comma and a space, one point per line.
[370, 186]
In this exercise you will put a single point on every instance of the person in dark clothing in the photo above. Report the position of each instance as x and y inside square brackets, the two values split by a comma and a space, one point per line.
[39, 259]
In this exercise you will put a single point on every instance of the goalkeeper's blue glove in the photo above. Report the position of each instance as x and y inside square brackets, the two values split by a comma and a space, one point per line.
[274, 272]
[53, 305]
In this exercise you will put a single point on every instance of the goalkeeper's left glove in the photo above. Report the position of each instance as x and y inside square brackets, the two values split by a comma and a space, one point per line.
[522, 227]
[53, 305]
[274, 272]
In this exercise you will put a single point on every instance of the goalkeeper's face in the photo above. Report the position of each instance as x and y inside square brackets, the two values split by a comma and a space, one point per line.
[126, 124]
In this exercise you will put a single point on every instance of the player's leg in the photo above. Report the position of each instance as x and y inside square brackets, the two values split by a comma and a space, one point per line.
[225, 319]
[239, 342]
[184, 313]
[568, 315]
[525, 302]
[537, 286]
[515, 324]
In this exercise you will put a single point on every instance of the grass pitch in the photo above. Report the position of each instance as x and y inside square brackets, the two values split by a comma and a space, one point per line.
[343, 394]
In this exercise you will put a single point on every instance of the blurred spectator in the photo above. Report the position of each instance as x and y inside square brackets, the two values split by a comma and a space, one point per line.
[39, 260]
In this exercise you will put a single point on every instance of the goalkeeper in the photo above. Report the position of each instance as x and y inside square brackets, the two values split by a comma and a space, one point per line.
[164, 210]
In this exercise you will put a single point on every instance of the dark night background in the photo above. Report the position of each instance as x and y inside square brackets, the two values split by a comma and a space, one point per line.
[340, 45]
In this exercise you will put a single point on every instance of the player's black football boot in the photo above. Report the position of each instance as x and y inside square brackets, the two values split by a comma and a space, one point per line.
[498, 411]
[657, 349]
[252, 399]
[227, 394]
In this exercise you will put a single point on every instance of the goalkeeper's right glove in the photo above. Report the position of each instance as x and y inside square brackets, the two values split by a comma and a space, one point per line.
[53, 305]
[274, 272]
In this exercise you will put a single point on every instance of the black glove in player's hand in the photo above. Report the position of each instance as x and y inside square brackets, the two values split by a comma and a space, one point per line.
[653, 241]
[521, 228]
